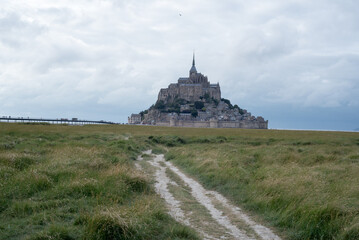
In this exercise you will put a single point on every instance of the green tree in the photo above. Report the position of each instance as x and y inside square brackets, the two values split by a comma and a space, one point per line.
[227, 102]
[240, 110]
[160, 105]
[142, 113]
[194, 113]
[207, 98]
[198, 105]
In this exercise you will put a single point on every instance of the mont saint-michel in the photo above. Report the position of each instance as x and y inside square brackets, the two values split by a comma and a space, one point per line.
[194, 102]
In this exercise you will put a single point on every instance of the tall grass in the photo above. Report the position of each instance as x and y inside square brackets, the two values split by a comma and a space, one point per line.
[71, 182]
[306, 185]
[66, 182]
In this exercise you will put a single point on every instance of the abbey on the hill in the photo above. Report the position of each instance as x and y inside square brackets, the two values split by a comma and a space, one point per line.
[190, 88]
[194, 102]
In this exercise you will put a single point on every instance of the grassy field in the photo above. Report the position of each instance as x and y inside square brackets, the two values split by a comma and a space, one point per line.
[65, 182]
[306, 184]
[70, 182]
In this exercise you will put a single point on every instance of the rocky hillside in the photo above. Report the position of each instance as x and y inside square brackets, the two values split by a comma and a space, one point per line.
[204, 110]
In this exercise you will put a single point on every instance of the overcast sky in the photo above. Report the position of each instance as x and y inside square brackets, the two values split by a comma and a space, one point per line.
[294, 62]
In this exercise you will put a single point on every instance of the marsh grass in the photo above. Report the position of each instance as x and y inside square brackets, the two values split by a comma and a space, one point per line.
[305, 185]
[74, 182]
[71, 182]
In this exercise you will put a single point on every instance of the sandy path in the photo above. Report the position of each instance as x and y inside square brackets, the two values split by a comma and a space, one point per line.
[162, 188]
[232, 220]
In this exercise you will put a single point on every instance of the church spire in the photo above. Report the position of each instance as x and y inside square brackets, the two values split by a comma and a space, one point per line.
[193, 68]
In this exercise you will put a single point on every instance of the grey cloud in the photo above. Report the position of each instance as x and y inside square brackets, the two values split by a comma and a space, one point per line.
[112, 57]
[16, 32]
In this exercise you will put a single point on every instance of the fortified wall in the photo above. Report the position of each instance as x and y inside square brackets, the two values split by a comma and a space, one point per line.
[194, 102]
[248, 124]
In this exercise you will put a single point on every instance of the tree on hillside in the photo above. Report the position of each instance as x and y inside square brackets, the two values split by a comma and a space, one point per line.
[198, 105]
[240, 110]
[142, 113]
[160, 105]
[194, 113]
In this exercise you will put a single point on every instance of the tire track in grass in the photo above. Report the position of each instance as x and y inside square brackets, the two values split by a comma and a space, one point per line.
[264, 232]
[200, 218]
[209, 200]
[162, 188]
[200, 194]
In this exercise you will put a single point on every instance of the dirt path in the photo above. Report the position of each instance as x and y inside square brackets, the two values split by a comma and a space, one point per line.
[208, 212]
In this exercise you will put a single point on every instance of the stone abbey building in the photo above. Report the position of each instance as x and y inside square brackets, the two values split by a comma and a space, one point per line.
[194, 102]
[190, 88]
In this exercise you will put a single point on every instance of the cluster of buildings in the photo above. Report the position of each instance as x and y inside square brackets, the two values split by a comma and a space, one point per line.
[194, 102]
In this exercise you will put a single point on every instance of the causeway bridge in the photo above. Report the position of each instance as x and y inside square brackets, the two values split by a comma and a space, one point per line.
[73, 121]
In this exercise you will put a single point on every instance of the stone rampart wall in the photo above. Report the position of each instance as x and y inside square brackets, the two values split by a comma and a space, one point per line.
[195, 124]
[234, 124]
[215, 124]
[163, 124]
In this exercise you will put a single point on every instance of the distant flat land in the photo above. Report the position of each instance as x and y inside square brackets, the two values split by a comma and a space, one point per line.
[70, 182]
